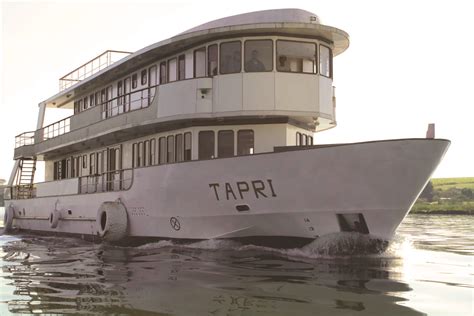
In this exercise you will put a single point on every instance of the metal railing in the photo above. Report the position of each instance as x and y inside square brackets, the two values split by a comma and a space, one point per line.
[93, 66]
[27, 138]
[131, 101]
[23, 191]
[118, 180]
[56, 129]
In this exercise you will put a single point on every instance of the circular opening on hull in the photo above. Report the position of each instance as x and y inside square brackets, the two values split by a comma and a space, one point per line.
[103, 220]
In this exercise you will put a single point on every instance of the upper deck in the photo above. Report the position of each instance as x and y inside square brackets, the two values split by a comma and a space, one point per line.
[204, 74]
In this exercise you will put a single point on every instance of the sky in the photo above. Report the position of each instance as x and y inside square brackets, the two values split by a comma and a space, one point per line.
[409, 63]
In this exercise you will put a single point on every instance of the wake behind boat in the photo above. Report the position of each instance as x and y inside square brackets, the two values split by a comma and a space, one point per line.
[209, 135]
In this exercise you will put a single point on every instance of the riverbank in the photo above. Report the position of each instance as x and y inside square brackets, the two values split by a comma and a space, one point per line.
[450, 196]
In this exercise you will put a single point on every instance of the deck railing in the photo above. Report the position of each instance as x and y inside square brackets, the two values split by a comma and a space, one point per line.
[91, 67]
[118, 180]
[56, 129]
[27, 138]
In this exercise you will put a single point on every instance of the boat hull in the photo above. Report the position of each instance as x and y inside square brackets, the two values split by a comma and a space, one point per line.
[299, 194]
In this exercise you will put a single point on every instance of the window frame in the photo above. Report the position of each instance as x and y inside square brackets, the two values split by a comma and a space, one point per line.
[213, 144]
[330, 61]
[272, 57]
[221, 150]
[220, 59]
[316, 57]
[203, 48]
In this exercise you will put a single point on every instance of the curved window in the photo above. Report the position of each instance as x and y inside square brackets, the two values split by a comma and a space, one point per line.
[325, 61]
[212, 60]
[258, 55]
[296, 57]
[230, 57]
[200, 62]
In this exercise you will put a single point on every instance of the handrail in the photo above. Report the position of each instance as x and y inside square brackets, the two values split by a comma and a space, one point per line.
[117, 180]
[89, 68]
[57, 128]
[24, 139]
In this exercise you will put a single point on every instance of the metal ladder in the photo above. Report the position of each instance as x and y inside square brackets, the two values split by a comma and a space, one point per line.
[25, 177]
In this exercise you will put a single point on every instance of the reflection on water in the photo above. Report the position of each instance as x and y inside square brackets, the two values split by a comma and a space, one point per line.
[63, 275]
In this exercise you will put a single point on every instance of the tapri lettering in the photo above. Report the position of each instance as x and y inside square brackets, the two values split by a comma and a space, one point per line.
[261, 189]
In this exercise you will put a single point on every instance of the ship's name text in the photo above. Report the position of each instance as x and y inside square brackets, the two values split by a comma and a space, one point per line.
[241, 189]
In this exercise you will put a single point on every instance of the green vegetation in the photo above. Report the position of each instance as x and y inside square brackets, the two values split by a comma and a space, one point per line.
[446, 196]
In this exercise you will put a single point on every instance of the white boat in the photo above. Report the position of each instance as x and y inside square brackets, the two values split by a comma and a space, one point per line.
[208, 135]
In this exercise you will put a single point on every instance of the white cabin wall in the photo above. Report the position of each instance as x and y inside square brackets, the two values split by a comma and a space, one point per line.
[48, 170]
[326, 96]
[259, 91]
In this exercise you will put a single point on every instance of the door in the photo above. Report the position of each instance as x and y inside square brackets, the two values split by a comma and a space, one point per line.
[114, 168]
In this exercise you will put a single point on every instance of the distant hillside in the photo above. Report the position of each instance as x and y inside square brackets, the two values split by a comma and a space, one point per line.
[447, 195]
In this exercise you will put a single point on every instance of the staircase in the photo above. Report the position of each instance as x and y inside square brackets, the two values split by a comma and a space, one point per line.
[25, 177]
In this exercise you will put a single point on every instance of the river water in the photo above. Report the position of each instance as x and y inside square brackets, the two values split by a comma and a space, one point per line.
[427, 270]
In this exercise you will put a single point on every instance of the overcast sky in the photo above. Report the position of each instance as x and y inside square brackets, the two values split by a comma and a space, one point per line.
[410, 62]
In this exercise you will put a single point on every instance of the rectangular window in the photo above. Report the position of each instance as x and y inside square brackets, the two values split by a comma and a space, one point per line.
[187, 146]
[258, 55]
[179, 148]
[134, 154]
[134, 81]
[325, 61]
[144, 77]
[140, 154]
[172, 70]
[225, 144]
[92, 169]
[80, 106]
[126, 97]
[305, 140]
[86, 103]
[310, 140]
[200, 62]
[181, 67]
[245, 142]
[151, 160]
[91, 101]
[163, 72]
[170, 156]
[298, 138]
[146, 153]
[230, 57]
[296, 57]
[212, 60]
[76, 107]
[98, 100]
[84, 161]
[206, 145]
[163, 151]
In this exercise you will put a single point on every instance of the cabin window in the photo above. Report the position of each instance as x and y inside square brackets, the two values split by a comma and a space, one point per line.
[84, 161]
[119, 94]
[258, 55]
[91, 101]
[298, 138]
[296, 57]
[162, 157]
[76, 107]
[172, 70]
[144, 77]
[212, 60]
[310, 140]
[187, 146]
[55, 170]
[140, 154]
[200, 62]
[97, 98]
[225, 144]
[179, 148]
[92, 169]
[305, 140]
[134, 81]
[325, 61]
[245, 142]
[171, 152]
[126, 98]
[206, 145]
[163, 72]
[80, 106]
[151, 160]
[230, 57]
[146, 153]
[181, 67]
[86, 103]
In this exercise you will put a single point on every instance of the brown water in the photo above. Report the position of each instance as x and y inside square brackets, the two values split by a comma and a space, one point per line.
[428, 269]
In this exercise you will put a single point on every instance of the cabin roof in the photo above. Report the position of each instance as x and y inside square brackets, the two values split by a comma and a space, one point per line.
[286, 22]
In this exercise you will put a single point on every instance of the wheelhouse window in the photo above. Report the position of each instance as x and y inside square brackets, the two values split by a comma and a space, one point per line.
[296, 57]
[187, 146]
[225, 144]
[325, 61]
[200, 62]
[172, 70]
[245, 142]
[206, 145]
[212, 60]
[181, 67]
[230, 57]
[258, 55]
[163, 72]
